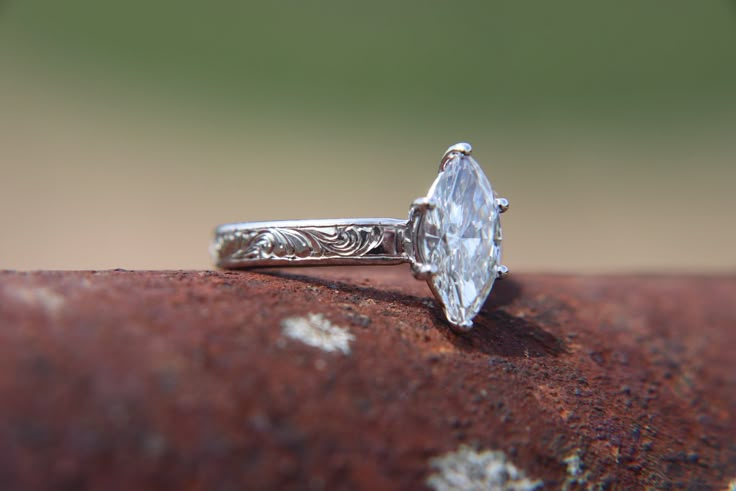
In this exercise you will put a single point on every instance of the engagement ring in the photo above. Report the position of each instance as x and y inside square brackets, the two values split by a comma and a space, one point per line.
[452, 239]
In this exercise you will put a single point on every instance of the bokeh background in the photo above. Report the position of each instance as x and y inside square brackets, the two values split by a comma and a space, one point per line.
[128, 130]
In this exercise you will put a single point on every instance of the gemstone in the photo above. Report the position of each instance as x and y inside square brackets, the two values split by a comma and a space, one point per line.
[459, 237]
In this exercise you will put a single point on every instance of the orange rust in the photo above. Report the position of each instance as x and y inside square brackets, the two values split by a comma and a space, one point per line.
[183, 380]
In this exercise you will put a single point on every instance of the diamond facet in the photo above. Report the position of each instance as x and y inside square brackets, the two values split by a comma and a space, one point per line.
[460, 237]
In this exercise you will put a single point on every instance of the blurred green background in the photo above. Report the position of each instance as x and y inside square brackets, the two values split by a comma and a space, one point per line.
[128, 130]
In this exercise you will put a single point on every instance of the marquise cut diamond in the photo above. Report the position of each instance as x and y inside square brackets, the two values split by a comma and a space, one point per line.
[460, 237]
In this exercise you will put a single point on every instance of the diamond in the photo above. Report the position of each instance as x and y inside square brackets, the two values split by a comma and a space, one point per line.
[459, 236]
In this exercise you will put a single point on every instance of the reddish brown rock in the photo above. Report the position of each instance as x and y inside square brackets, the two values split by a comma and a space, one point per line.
[185, 380]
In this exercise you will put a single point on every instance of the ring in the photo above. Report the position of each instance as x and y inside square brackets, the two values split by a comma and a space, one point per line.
[452, 239]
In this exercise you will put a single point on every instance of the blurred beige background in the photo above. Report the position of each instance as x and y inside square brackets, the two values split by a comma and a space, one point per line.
[127, 133]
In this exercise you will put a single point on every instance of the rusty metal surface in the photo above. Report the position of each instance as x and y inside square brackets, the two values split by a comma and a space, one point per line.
[187, 381]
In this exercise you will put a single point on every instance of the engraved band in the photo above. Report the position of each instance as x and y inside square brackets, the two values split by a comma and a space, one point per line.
[311, 242]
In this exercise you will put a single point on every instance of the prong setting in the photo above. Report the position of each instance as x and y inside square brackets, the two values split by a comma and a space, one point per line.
[423, 271]
[464, 148]
[464, 327]
[423, 204]
[439, 222]
[458, 148]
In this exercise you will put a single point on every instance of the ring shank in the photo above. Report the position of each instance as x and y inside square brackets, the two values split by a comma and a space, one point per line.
[310, 242]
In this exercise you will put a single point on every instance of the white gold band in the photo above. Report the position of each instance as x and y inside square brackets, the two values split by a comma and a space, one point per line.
[311, 242]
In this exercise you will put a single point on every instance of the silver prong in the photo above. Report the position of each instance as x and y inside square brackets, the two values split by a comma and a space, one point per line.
[464, 327]
[462, 148]
[423, 204]
[423, 271]
[502, 204]
[501, 271]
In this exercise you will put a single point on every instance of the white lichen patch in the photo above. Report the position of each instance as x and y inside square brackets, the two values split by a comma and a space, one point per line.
[468, 470]
[319, 332]
[574, 465]
[39, 297]
[577, 476]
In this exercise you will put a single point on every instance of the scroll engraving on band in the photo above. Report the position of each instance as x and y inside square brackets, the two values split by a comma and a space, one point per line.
[298, 243]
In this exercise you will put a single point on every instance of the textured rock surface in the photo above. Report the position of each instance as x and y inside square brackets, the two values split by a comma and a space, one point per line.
[210, 380]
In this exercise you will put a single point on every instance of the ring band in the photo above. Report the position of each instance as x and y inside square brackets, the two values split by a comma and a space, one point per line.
[452, 239]
[311, 243]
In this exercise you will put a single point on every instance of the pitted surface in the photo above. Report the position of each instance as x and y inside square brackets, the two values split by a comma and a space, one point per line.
[186, 380]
